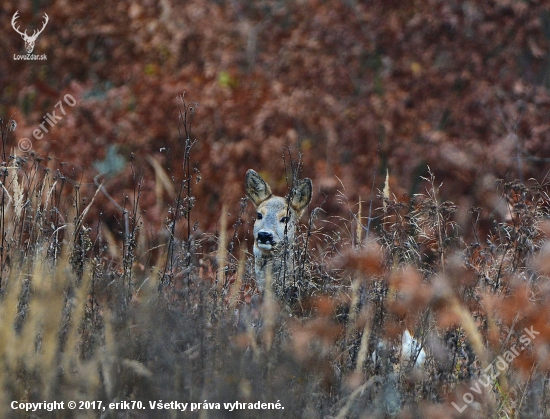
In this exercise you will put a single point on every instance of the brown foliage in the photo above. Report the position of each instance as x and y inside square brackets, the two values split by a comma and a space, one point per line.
[462, 87]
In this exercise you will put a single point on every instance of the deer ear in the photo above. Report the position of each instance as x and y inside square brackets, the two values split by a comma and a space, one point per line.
[301, 195]
[256, 188]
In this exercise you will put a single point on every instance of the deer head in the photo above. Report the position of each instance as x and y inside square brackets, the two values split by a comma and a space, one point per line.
[29, 40]
[275, 225]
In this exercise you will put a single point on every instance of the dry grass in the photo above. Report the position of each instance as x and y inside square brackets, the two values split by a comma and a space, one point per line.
[77, 323]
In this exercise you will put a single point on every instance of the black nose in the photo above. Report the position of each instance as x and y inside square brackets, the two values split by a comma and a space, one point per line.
[265, 238]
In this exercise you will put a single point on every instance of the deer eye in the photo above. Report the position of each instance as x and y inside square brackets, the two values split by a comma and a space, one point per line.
[259, 216]
[285, 220]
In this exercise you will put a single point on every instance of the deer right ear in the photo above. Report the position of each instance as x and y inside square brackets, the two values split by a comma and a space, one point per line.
[256, 188]
[301, 196]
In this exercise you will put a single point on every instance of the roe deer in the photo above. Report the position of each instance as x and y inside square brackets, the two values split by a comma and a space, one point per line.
[274, 229]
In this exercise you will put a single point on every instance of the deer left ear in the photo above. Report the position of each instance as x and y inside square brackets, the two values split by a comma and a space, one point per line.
[301, 195]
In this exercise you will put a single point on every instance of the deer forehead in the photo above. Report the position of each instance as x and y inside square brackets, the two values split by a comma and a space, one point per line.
[274, 206]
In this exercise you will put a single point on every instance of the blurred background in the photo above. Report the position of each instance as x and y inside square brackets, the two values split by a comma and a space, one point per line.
[356, 88]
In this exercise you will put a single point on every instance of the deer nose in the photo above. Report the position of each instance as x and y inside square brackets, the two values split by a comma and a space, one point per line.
[265, 237]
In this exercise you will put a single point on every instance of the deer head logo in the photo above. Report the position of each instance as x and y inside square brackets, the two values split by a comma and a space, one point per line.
[29, 40]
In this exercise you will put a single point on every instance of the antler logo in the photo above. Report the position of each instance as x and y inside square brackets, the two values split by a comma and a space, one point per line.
[29, 40]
